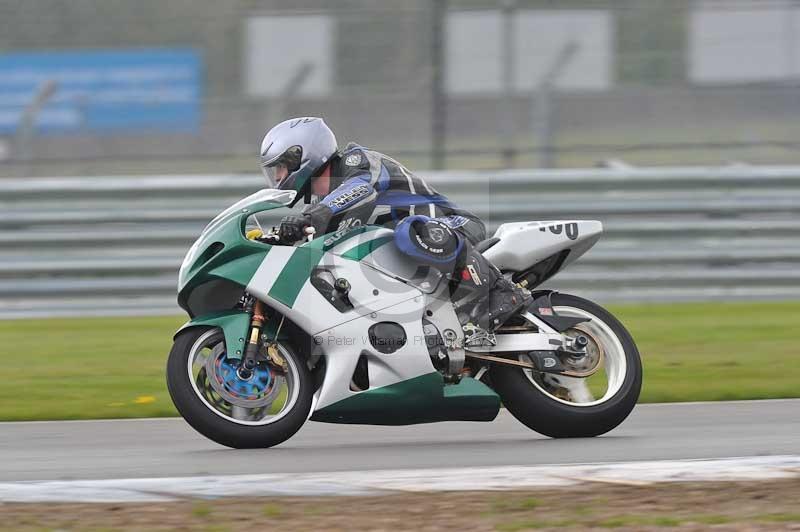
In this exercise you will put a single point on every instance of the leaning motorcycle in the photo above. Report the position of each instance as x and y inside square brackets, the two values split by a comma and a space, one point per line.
[344, 328]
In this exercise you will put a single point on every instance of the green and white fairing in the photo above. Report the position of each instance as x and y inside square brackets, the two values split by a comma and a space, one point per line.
[349, 324]
[385, 286]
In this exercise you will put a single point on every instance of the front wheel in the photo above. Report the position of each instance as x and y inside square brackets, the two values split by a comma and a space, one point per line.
[571, 407]
[262, 409]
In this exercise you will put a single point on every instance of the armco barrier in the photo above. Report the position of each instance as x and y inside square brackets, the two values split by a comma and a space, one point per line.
[112, 245]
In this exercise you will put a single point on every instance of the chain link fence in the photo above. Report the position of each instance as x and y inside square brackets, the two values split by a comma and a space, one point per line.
[467, 84]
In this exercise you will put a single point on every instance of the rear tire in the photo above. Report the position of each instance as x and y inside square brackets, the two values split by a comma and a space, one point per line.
[215, 426]
[559, 419]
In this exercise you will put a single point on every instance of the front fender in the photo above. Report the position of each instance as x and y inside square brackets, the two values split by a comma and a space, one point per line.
[235, 325]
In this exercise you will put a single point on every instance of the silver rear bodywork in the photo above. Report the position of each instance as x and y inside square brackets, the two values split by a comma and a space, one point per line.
[523, 244]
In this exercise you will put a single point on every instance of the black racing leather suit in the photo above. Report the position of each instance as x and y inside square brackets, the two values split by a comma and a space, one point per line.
[371, 188]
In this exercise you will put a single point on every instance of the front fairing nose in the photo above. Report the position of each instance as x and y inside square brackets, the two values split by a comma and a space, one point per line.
[226, 230]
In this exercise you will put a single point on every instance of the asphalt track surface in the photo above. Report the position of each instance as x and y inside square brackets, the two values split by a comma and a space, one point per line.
[168, 447]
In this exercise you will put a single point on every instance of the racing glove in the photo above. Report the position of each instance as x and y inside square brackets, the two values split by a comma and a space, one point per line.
[292, 228]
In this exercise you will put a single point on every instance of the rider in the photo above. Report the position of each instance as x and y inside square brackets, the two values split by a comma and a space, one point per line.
[360, 186]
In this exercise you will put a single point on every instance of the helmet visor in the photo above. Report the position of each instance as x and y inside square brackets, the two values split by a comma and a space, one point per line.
[279, 170]
[275, 174]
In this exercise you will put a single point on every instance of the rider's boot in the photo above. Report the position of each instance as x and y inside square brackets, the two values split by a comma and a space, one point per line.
[495, 299]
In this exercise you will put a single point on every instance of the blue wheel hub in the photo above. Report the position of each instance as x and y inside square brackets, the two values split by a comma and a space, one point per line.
[249, 389]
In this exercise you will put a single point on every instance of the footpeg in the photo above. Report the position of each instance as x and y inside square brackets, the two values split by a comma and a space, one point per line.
[474, 336]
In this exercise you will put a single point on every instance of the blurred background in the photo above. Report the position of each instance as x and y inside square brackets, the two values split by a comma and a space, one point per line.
[179, 86]
[125, 126]
[156, 108]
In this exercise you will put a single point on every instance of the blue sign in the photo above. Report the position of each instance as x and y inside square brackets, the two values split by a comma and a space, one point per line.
[103, 90]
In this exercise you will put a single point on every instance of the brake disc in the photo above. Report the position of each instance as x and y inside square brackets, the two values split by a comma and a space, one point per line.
[257, 391]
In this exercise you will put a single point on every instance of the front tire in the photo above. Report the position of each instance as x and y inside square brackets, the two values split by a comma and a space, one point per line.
[255, 422]
[532, 397]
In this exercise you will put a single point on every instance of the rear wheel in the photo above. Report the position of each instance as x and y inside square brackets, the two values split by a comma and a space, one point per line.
[262, 409]
[569, 407]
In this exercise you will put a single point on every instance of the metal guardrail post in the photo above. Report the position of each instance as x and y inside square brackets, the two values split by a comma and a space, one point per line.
[27, 124]
[438, 97]
[544, 108]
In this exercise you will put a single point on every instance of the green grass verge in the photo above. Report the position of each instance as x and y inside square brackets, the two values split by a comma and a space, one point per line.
[717, 351]
[114, 367]
[85, 368]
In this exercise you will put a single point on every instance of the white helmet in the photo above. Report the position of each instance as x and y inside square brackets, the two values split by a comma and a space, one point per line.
[303, 145]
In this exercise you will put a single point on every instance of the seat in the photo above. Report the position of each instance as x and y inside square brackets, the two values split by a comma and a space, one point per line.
[483, 245]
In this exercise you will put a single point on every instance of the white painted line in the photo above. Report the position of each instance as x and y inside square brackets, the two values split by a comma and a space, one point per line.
[385, 481]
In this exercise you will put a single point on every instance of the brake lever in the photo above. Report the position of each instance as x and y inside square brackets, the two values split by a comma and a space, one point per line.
[273, 238]
[270, 238]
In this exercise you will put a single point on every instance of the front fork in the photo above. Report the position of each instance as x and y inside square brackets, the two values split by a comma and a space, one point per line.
[250, 359]
[257, 337]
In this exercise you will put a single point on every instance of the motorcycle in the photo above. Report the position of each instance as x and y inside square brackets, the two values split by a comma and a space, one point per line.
[344, 328]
